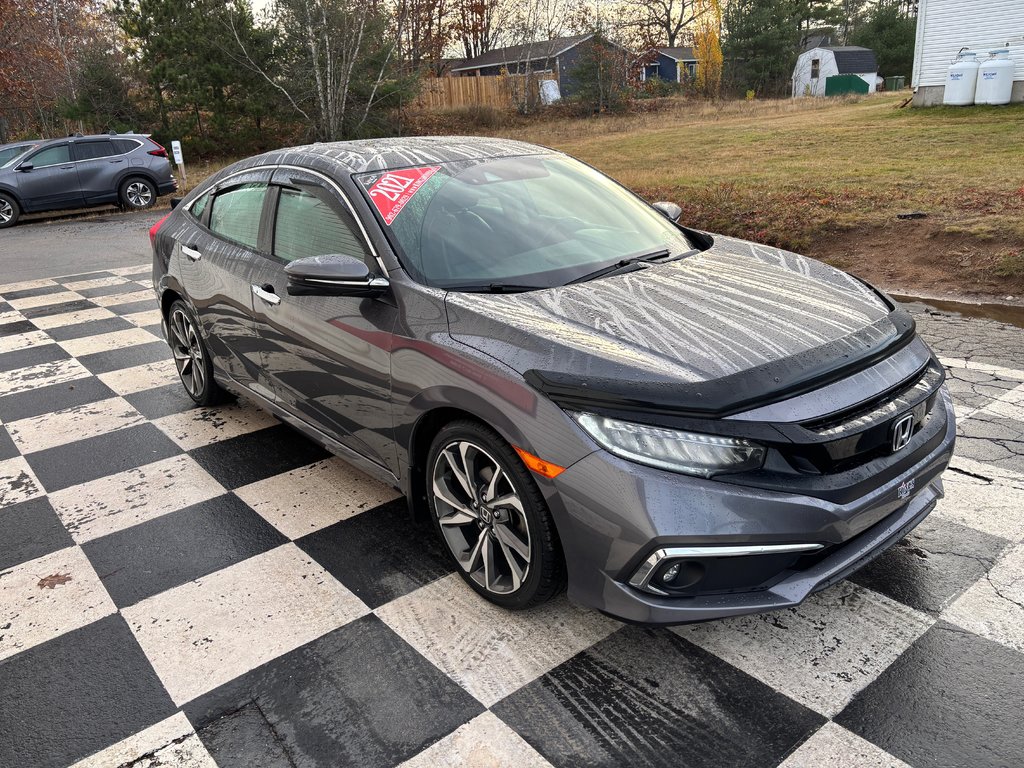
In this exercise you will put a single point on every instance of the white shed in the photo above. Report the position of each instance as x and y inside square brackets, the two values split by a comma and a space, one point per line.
[946, 26]
[815, 66]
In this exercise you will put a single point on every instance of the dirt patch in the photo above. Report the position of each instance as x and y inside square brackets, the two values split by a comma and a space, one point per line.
[923, 257]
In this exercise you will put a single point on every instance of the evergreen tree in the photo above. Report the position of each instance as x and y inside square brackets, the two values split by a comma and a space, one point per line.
[760, 47]
[890, 31]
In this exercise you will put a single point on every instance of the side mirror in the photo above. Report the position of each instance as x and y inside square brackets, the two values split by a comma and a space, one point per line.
[174, 202]
[670, 211]
[334, 275]
[26, 167]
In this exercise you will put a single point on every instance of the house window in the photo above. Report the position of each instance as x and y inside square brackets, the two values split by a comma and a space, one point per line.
[815, 68]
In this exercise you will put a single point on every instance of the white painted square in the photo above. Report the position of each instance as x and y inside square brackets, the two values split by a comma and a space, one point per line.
[171, 742]
[17, 482]
[127, 381]
[23, 341]
[149, 317]
[59, 427]
[489, 651]
[994, 606]
[211, 630]
[312, 497]
[832, 746]
[48, 596]
[42, 301]
[116, 502]
[73, 318]
[987, 505]
[95, 282]
[143, 294]
[41, 375]
[820, 653]
[483, 742]
[105, 342]
[203, 426]
[131, 270]
[25, 285]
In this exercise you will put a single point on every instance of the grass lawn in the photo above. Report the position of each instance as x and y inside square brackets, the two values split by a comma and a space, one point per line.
[829, 177]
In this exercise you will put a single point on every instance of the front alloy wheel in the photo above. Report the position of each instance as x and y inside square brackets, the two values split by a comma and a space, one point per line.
[492, 517]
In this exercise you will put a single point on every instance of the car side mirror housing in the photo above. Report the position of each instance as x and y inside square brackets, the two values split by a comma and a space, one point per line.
[670, 211]
[26, 167]
[333, 275]
[174, 202]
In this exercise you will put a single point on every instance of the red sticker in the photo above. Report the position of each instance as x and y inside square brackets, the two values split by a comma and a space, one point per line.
[394, 189]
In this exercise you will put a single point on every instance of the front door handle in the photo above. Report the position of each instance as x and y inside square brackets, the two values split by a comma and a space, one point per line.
[266, 293]
[192, 253]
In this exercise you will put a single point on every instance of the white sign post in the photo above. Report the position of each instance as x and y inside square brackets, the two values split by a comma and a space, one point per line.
[179, 159]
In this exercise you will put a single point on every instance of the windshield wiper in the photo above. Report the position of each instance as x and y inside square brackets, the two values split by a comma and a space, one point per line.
[496, 288]
[609, 269]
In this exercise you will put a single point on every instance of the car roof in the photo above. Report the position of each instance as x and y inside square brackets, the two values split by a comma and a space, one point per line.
[345, 157]
[47, 142]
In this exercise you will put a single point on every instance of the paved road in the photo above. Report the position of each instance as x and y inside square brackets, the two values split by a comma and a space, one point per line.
[48, 247]
[205, 587]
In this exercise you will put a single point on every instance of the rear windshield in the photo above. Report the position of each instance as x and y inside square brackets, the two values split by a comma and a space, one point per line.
[535, 221]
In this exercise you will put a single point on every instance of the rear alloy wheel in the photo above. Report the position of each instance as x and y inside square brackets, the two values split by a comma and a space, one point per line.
[191, 357]
[9, 211]
[492, 517]
[137, 193]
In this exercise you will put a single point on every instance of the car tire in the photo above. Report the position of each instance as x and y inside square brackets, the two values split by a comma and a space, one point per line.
[191, 356]
[509, 553]
[137, 194]
[10, 211]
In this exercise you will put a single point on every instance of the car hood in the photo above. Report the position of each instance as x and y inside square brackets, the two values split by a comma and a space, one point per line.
[732, 327]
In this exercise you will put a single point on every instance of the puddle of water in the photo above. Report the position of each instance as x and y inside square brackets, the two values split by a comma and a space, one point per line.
[1003, 313]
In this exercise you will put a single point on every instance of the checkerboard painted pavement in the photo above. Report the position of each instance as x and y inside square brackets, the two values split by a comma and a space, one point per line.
[199, 587]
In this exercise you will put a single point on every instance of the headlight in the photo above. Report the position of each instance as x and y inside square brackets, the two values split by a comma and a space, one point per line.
[687, 452]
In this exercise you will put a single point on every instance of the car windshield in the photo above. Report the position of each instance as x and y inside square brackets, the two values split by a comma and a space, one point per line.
[515, 223]
[9, 154]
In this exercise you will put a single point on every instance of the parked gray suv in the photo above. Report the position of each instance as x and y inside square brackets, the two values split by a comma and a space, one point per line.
[79, 171]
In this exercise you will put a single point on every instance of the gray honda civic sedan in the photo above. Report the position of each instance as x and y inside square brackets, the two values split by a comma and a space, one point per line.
[572, 386]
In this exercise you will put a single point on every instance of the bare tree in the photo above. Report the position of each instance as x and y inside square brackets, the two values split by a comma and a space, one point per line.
[660, 22]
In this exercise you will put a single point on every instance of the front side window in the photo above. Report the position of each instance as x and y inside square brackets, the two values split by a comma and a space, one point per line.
[308, 225]
[91, 150]
[536, 221]
[9, 154]
[51, 156]
[236, 213]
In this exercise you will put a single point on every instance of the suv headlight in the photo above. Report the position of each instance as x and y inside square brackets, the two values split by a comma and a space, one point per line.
[688, 452]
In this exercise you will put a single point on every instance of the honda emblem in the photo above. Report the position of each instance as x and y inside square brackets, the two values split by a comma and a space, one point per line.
[902, 431]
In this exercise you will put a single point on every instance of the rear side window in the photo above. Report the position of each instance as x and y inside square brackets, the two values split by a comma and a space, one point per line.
[308, 225]
[235, 213]
[91, 150]
[51, 156]
[123, 146]
[199, 206]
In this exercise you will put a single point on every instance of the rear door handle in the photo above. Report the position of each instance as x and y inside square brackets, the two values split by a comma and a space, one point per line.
[266, 293]
[192, 253]
[114, 162]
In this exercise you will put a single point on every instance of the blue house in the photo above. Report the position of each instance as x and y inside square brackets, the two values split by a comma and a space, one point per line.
[673, 65]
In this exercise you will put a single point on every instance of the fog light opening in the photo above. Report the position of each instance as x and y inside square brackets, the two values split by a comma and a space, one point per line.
[678, 575]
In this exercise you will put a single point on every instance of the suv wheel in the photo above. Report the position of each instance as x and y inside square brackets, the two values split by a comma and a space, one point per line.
[137, 193]
[9, 211]
[492, 517]
[191, 357]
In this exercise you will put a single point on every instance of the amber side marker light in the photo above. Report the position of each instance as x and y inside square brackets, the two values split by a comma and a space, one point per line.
[538, 465]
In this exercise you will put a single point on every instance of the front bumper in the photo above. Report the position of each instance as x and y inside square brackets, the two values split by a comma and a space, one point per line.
[613, 516]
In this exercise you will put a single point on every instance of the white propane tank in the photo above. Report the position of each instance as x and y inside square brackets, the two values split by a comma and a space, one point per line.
[995, 78]
[961, 80]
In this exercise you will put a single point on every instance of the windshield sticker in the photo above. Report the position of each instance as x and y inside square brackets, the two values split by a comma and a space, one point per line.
[394, 189]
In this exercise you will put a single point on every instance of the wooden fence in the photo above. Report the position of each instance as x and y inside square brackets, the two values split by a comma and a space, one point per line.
[500, 91]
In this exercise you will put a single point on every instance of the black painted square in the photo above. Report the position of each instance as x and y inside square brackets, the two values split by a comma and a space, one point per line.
[108, 290]
[145, 277]
[23, 358]
[245, 738]
[368, 555]
[648, 697]
[77, 694]
[162, 553]
[58, 309]
[82, 278]
[16, 328]
[933, 565]
[254, 456]
[134, 306]
[29, 530]
[94, 457]
[126, 357]
[952, 698]
[90, 328]
[53, 397]
[359, 695]
[8, 449]
[161, 401]
[156, 329]
[5, 307]
[28, 293]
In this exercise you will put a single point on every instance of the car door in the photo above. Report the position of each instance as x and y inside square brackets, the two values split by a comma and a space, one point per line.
[328, 357]
[220, 256]
[52, 180]
[98, 168]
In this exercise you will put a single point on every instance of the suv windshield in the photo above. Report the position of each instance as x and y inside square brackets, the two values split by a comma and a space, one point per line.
[515, 222]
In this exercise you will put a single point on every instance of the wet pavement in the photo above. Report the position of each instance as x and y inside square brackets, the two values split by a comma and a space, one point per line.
[199, 587]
